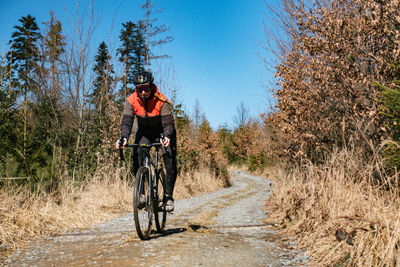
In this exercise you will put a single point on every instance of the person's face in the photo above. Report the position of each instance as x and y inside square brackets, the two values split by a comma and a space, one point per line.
[144, 91]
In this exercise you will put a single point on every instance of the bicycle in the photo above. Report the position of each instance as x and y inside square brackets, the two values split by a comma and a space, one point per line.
[149, 192]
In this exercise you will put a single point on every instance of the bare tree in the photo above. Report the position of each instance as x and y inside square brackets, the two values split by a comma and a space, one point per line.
[242, 115]
[197, 114]
[165, 76]
[79, 78]
[153, 32]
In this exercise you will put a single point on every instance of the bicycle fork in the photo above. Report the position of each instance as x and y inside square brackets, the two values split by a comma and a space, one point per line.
[155, 179]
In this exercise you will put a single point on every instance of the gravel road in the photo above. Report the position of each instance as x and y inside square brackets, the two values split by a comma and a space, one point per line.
[224, 228]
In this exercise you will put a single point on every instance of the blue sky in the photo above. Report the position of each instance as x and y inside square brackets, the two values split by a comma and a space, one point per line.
[214, 52]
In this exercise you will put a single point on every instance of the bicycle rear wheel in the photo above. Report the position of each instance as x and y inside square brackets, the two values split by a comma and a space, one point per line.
[160, 215]
[143, 203]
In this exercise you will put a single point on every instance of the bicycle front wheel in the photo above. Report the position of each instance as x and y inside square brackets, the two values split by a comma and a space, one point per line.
[143, 203]
[160, 215]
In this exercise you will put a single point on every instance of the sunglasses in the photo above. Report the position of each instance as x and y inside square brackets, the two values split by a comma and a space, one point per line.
[143, 89]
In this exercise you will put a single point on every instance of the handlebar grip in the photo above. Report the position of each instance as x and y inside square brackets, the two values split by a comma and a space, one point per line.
[121, 151]
[121, 141]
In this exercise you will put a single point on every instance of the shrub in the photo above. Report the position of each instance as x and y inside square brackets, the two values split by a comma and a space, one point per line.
[389, 99]
[334, 50]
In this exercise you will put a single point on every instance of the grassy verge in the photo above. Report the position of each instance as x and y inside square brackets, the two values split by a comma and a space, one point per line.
[25, 216]
[200, 181]
[337, 214]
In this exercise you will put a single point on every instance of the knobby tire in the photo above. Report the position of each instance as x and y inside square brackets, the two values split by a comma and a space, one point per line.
[143, 214]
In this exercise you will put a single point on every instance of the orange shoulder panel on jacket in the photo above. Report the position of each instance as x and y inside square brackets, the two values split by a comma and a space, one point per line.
[131, 98]
[134, 100]
[162, 97]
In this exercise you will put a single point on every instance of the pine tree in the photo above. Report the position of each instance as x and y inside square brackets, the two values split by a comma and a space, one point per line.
[102, 86]
[48, 106]
[132, 54]
[54, 43]
[47, 110]
[24, 55]
[182, 120]
[125, 52]
[7, 121]
[100, 117]
[140, 49]
[23, 65]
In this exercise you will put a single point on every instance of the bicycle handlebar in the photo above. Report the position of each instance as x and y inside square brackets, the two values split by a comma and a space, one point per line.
[121, 150]
[143, 145]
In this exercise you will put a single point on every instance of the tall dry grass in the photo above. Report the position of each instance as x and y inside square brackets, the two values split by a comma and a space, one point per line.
[339, 212]
[25, 215]
[199, 181]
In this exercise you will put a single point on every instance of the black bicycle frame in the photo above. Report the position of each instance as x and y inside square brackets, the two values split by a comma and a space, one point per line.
[147, 160]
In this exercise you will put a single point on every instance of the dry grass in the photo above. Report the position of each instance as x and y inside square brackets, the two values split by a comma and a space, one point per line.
[200, 181]
[25, 216]
[337, 215]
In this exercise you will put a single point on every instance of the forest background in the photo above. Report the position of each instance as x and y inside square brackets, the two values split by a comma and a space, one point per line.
[332, 139]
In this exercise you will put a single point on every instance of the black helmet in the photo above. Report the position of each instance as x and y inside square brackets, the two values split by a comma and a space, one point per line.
[143, 78]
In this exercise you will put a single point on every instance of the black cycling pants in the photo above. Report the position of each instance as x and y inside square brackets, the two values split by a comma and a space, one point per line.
[169, 160]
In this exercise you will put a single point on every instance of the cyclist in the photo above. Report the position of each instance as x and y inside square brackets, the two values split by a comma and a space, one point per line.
[154, 117]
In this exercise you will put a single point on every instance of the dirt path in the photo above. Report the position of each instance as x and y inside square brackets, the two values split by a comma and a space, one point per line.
[223, 228]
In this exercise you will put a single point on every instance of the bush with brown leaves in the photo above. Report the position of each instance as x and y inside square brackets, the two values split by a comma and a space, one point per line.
[199, 148]
[335, 50]
[248, 145]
